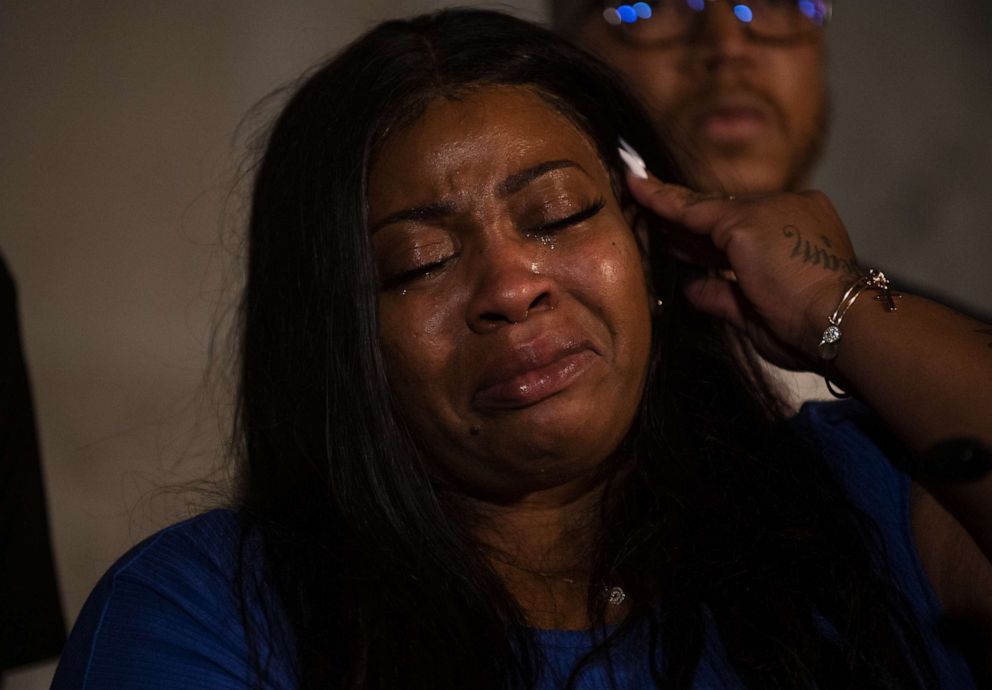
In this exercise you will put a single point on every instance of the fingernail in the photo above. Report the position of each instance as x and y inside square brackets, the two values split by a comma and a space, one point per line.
[632, 159]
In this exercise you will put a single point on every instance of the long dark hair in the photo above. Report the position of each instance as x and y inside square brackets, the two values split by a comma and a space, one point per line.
[724, 515]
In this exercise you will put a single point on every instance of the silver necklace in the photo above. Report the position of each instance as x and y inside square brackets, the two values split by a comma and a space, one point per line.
[613, 594]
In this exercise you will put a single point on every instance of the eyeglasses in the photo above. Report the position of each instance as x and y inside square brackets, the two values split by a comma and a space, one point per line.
[662, 21]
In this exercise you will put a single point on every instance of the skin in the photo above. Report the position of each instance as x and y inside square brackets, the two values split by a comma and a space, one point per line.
[922, 368]
[751, 113]
[495, 285]
[689, 79]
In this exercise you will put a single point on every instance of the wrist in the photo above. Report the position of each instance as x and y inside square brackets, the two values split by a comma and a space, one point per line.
[830, 342]
[824, 300]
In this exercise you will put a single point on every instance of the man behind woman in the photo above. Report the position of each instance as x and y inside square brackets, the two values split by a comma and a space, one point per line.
[495, 430]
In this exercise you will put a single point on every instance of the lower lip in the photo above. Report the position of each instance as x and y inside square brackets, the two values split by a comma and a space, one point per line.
[732, 126]
[536, 385]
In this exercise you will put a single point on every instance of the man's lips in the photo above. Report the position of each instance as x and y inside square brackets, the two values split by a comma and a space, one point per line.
[730, 116]
[730, 124]
[530, 373]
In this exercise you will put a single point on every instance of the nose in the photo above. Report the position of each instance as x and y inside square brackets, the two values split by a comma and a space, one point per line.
[510, 286]
[720, 36]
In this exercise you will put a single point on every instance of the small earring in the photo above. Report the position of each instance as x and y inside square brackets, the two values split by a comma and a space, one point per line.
[659, 304]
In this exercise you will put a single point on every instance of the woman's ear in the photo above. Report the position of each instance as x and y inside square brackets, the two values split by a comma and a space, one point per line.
[638, 224]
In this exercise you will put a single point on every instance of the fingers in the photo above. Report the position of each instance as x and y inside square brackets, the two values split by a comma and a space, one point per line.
[696, 212]
[718, 297]
[697, 251]
[699, 256]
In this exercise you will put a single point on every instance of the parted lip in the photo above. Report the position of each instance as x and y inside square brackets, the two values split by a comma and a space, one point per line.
[737, 104]
[517, 360]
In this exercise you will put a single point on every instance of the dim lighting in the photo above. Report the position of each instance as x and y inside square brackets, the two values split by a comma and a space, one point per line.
[743, 12]
[628, 15]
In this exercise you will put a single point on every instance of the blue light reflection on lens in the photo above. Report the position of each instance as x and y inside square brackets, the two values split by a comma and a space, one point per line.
[697, 5]
[628, 15]
[643, 10]
[808, 8]
[743, 12]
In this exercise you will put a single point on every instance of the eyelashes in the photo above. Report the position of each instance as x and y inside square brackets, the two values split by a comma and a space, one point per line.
[425, 271]
[568, 221]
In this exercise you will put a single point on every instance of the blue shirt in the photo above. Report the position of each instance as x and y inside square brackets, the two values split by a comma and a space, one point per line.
[166, 615]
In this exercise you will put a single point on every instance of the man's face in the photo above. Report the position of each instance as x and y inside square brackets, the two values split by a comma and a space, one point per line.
[750, 113]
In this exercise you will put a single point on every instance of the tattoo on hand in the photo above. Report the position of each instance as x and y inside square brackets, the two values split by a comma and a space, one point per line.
[814, 253]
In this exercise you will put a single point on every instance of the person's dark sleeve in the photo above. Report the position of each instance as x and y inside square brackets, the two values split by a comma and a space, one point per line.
[32, 627]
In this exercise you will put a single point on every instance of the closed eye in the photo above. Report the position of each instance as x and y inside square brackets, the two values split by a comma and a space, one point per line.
[568, 221]
[412, 274]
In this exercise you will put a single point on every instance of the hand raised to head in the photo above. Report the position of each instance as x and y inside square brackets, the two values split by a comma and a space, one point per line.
[789, 257]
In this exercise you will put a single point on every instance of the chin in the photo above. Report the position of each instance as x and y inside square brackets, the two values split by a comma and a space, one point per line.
[746, 178]
[568, 434]
[741, 169]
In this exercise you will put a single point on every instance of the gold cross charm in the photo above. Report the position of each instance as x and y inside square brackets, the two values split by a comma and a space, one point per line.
[887, 298]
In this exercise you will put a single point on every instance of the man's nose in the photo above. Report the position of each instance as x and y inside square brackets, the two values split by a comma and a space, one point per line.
[510, 286]
[719, 35]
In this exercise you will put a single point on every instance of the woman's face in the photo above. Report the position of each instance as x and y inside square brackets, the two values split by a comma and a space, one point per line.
[514, 312]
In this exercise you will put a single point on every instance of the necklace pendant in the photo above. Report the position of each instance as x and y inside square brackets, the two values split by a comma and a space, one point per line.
[614, 595]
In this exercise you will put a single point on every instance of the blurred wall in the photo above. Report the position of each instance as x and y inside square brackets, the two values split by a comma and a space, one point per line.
[909, 164]
[121, 138]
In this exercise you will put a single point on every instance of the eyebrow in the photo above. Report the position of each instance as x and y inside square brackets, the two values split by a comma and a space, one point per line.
[442, 209]
[426, 213]
[517, 181]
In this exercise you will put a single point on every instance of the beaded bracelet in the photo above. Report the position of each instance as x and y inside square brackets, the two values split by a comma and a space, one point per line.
[830, 339]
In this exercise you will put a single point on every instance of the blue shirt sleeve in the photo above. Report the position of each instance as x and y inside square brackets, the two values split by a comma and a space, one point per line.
[167, 615]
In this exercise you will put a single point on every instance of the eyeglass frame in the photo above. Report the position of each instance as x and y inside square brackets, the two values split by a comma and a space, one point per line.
[828, 6]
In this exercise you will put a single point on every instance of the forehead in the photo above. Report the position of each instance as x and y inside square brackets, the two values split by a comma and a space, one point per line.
[467, 145]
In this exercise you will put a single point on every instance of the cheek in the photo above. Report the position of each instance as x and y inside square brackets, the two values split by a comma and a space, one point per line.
[655, 76]
[801, 86]
[613, 284]
[659, 81]
[416, 348]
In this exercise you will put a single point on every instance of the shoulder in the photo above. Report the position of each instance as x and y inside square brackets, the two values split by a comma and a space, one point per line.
[171, 613]
[847, 424]
[204, 546]
[863, 456]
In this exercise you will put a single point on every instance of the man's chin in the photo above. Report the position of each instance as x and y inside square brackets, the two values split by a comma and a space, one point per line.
[742, 173]
[753, 166]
